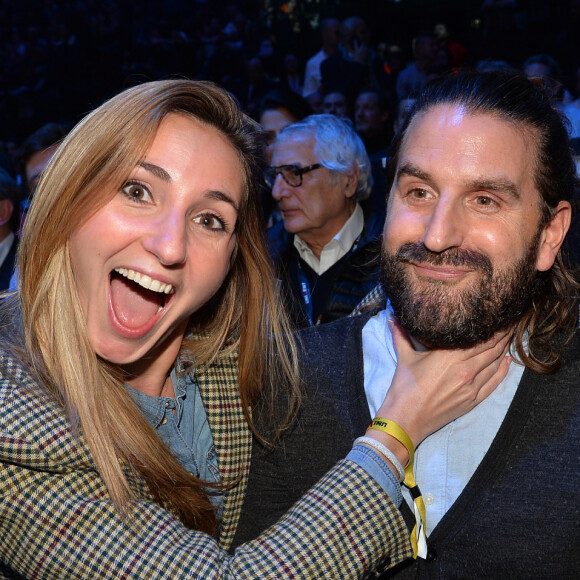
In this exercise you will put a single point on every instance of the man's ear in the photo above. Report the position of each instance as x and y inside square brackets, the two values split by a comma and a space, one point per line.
[6, 209]
[352, 180]
[553, 235]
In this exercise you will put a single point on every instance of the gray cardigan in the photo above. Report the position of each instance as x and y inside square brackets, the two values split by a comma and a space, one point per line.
[518, 516]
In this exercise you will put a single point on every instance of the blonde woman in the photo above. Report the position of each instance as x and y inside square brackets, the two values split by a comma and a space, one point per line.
[143, 333]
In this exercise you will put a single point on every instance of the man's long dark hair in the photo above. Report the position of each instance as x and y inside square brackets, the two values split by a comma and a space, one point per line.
[526, 104]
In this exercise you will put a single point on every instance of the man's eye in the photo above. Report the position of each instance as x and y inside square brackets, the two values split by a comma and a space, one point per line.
[483, 200]
[419, 193]
[295, 171]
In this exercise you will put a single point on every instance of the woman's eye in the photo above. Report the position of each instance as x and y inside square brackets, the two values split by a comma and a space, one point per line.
[136, 191]
[210, 222]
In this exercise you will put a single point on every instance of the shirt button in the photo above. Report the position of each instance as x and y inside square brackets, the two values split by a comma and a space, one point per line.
[164, 420]
[166, 404]
[429, 499]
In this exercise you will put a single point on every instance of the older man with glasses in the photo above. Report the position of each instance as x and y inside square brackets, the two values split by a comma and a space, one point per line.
[325, 248]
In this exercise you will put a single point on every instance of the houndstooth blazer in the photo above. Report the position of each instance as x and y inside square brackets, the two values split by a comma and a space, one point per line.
[57, 521]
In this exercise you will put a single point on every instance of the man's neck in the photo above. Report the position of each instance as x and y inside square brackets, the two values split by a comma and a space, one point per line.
[317, 243]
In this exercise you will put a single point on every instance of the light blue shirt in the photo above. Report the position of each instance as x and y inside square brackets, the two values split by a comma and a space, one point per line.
[182, 424]
[446, 460]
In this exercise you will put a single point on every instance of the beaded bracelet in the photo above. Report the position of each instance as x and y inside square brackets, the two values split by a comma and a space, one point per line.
[378, 446]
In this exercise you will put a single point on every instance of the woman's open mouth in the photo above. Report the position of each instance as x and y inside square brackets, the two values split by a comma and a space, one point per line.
[137, 300]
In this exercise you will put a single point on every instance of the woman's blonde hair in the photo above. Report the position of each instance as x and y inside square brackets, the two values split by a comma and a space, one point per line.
[246, 316]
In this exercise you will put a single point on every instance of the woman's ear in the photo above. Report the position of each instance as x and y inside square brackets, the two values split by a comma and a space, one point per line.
[553, 235]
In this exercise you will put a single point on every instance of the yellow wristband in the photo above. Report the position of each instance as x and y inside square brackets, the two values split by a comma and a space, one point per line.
[418, 537]
[391, 428]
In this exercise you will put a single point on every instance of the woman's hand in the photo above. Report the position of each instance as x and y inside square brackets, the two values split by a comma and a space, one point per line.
[432, 388]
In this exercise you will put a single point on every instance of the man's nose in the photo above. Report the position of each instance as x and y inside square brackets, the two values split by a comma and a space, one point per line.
[280, 188]
[445, 226]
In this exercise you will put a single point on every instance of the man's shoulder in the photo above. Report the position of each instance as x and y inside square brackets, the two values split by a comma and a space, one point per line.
[340, 333]
[316, 59]
[569, 350]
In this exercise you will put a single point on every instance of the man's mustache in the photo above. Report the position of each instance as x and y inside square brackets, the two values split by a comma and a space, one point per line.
[417, 252]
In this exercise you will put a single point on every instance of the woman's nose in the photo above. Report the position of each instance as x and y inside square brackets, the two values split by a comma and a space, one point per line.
[167, 238]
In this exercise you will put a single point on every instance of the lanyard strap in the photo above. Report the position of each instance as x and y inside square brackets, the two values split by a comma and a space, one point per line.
[305, 291]
[418, 537]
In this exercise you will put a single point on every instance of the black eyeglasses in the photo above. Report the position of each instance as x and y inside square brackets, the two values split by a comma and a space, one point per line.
[291, 174]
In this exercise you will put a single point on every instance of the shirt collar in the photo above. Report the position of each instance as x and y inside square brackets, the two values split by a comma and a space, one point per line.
[5, 246]
[337, 248]
[154, 408]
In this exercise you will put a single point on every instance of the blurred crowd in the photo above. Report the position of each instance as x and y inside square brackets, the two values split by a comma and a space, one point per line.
[360, 61]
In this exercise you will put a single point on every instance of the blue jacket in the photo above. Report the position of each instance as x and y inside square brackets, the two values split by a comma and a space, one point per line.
[357, 274]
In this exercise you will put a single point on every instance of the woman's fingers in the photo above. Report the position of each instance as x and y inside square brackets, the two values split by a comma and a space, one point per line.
[432, 388]
[497, 377]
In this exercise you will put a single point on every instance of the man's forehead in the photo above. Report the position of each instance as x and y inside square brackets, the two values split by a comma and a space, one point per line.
[465, 124]
[295, 144]
[478, 151]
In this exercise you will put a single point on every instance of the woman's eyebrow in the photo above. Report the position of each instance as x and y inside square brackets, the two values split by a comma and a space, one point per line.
[156, 170]
[220, 196]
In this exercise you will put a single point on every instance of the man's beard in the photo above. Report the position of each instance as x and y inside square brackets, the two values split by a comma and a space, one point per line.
[440, 316]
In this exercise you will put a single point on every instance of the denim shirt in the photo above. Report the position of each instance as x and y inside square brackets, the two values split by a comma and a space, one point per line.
[182, 424]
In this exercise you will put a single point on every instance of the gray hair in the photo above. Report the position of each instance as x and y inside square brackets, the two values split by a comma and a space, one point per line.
[337, 148]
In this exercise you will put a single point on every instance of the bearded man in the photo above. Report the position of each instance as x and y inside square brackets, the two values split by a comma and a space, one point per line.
[480, 181]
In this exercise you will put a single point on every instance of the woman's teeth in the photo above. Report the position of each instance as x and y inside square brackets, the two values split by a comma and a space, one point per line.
[145, 281]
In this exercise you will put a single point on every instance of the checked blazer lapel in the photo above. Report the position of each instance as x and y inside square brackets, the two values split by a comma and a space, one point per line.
[218, 385]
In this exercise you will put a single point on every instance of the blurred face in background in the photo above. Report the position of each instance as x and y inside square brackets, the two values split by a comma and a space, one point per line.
[335, 104]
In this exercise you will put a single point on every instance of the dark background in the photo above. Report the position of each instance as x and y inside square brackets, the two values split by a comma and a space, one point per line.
[60, 59]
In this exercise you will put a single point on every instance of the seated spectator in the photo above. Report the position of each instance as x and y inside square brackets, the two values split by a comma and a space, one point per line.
[325, 249]
[330, 36]
[414, 76]
[545, 67]
[403, 109]
[291, 76]
[9, 221]
[372, 120]
[252, 86]
[315, 101]
[335, 103]
[356, 64]
[280, 108]
[457, 52]
[36, 151]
